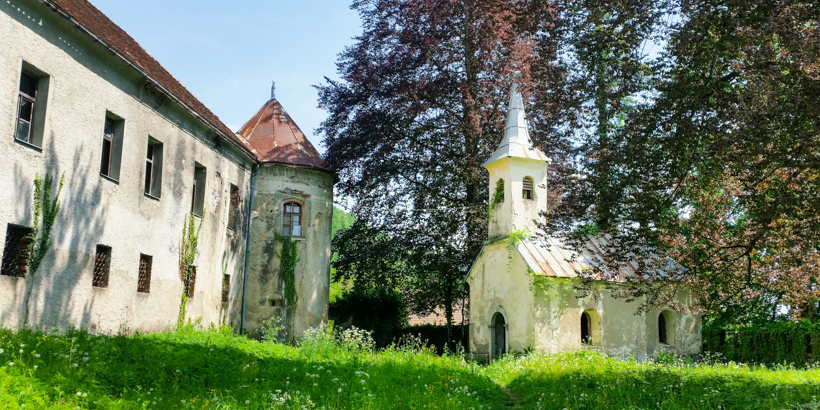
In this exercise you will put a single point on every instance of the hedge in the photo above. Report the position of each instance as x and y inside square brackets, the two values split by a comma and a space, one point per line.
[437, 336]
[795, 343]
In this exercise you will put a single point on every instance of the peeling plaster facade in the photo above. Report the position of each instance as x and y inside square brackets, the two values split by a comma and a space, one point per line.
[521, 292]
[86, 81]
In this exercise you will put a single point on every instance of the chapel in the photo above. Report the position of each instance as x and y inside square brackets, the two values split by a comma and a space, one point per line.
[508, 313]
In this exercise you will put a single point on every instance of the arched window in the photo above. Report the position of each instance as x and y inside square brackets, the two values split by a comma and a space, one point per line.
[527, 188]
[590, 328]
[665, 327]
[292, 219]
[499, 336]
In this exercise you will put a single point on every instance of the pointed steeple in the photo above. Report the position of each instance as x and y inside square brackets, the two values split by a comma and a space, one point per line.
[516, 141]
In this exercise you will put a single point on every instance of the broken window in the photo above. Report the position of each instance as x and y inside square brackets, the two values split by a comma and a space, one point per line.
[153, 169]
[233, 208]
[144, 278]
[102, 265]
[198, 196]
[226, 288]
[111, 147]
[189, 281]
[292, 220]
[31, 103]
[16, 251]
[527, 188]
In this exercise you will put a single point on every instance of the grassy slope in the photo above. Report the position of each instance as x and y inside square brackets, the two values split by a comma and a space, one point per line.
[191, 369]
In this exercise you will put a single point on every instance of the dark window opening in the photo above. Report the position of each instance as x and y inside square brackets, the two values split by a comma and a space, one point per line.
[499, 189]
[276, 302]
[226, 288]
[198, 195]
[189, 281]
[111, 147]
[586, 335]
[102, 266]
[25, 107]
[16, 251]
[527, 188]
[31, 106]
[153, 169]
[499, 336]
[292, 220]
[233, 208]
[144, 278]
[662, 329]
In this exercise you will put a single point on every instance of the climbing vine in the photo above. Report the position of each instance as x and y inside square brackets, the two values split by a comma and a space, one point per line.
[187, 252]
[48, 208]
[288, 260]
[497, 198]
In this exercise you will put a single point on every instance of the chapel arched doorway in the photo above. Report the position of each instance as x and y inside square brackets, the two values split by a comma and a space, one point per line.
[499, 336]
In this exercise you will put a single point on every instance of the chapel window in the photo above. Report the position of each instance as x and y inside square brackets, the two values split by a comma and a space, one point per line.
[527, 188]
[666, 327]
[586, 337]
[292, 219]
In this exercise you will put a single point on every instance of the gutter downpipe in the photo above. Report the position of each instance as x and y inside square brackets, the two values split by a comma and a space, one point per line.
[248, 247]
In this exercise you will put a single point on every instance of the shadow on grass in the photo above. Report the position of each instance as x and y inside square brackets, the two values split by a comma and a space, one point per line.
[211, 369]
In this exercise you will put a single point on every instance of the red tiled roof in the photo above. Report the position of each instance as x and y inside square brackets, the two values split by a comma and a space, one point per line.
[91, 19]
[276, 138]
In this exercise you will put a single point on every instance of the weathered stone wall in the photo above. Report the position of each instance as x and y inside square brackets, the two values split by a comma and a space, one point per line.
[85, 82]
[551, 322]
[266, 293]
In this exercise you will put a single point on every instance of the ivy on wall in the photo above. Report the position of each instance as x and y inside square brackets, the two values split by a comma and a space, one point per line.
[288, 259]
[187, 253]
[497, 198]
[47, 208]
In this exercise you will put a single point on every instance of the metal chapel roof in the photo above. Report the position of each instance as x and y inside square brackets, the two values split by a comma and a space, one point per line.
[277, 139]
[91, 20]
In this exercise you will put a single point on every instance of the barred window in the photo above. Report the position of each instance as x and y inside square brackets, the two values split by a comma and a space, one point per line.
[226, 288]
[189, 281]
[102, 266]
[144, 278]
[292, 220]
[527, 188]
[16, 251]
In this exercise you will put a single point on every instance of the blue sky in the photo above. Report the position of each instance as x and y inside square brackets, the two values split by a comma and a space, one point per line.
[228, 52]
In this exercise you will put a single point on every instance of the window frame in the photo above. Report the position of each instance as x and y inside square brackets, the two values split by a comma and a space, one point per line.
[233, 207]
[288, 216]
[115, 141]
[528, 194]
[144, 284]
[198, 194]
[39, 102]
[152, 184]
[100, 279]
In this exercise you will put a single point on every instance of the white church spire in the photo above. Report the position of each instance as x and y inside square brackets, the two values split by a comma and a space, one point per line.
[516, 141]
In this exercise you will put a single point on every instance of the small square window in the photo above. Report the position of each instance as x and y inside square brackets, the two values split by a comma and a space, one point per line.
[112, 146]
[198, 196]
[16, 251]
[144, 278]
[102, 266]
[153, 169]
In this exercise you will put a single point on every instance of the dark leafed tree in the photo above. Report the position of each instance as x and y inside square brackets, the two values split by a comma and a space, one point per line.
[420, 105]
[719, 169]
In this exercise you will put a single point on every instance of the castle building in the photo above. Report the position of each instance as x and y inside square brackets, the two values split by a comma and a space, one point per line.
[140, 159]
[522, 286]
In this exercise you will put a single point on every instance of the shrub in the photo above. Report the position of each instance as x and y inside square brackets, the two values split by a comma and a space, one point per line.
[781, 342]
[381, 312]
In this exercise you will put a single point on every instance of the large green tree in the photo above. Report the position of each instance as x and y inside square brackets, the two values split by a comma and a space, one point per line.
[420, 105]
[717, 168]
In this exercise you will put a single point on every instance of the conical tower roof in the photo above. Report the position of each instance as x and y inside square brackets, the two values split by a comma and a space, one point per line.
[277, 139]
[516, 142]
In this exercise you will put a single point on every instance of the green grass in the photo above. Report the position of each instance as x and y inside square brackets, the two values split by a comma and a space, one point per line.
[217, 370]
